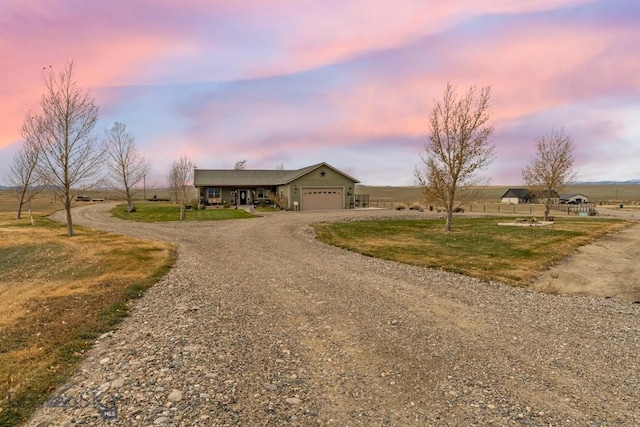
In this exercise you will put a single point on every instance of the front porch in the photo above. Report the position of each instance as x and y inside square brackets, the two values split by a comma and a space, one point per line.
[234, 196]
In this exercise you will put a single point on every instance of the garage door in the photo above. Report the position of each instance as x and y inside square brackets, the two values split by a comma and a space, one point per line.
[322, 198]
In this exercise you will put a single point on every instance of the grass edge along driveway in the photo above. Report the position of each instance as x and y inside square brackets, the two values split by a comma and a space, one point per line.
[476, 247]
[160, 212]
[59, 294]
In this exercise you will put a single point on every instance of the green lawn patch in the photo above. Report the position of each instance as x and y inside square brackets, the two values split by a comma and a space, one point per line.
[477, 247]
[159, 212]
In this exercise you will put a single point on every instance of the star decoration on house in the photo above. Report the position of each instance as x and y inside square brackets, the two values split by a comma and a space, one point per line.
[323, 173]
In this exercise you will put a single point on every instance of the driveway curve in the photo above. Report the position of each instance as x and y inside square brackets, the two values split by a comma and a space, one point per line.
[259, 324]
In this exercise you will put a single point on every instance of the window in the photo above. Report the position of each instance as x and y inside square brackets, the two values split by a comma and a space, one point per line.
[261, 194]
[213, 193]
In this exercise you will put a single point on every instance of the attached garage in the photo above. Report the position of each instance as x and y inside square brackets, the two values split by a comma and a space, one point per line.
[322, 198]
[316, 187]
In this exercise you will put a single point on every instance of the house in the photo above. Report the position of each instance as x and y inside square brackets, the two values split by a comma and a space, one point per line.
[316, 187]
[573, 198]
[522, 195]
[514, 196]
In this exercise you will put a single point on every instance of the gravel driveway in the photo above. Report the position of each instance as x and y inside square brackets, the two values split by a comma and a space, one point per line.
[261, 325]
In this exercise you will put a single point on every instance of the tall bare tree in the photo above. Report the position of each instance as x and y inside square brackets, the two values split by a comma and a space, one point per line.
[457, 149]
[23, 177]
[240, 165]
[70, 157]
[127, 167]
[180, 179]
[551, 169]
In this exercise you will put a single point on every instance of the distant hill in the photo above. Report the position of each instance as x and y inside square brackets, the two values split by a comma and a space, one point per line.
[629, 182]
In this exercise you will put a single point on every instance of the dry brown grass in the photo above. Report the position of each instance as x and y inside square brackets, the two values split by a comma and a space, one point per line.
[606, 194]
[59, 293]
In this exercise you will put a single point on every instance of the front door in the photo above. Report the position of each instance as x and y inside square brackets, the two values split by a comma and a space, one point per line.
[243, 197]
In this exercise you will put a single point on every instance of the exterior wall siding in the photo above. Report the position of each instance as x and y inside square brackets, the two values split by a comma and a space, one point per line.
[330, 179]
[510, 200]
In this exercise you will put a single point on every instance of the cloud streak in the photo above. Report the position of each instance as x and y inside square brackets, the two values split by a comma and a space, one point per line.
[299, 82]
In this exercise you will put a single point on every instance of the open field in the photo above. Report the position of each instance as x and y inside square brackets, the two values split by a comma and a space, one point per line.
[628, 194]
[58, 294]
[487, 200]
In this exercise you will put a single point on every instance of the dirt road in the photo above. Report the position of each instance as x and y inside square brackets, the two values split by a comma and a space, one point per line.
[607, 268]
[260, 324]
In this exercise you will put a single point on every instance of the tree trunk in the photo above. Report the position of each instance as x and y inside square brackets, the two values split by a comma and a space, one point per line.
[67, 207]
[547, 208]
[21, 203]
[447, 225]
[69, 222]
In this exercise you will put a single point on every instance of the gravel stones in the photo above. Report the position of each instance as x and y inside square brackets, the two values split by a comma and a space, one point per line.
[175, 396]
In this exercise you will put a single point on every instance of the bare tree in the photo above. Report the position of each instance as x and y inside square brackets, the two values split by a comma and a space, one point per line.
[180, 177]
[280, 166]
[69, 157]
[551, 169]
[23, 177]
[127, 167]
[240, 165]
[458, 147]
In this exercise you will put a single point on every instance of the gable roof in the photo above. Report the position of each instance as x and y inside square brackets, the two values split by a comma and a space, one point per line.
[520, 193]
[255, 177]
[570, 195]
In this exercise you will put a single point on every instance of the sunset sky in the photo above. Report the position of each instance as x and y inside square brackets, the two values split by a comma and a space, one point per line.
[347, 82]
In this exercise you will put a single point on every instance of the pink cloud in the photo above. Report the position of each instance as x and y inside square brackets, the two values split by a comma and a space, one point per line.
[344, 75]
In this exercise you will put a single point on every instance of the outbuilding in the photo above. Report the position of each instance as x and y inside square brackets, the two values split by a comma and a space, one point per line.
[573, 198]
[515, 196]
[317, 187]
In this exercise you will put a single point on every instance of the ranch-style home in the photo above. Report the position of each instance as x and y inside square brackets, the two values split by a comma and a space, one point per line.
[515, 196]
[316, 187]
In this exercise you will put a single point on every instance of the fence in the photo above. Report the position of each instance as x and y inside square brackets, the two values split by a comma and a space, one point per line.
[577, 208]
[524, 209]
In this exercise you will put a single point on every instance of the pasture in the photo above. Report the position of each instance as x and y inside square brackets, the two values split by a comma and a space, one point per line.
[609, 195]
[58, 294]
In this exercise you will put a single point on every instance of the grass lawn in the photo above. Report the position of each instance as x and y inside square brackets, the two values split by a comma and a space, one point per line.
[477, 247]
[155, 211]
[58, 294]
